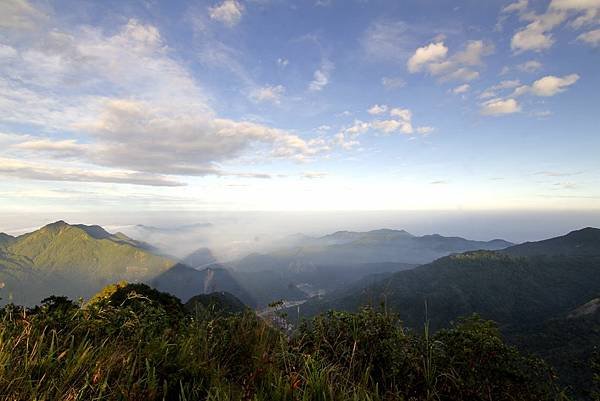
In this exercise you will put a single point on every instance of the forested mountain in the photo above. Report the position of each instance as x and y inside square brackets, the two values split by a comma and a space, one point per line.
[185, 282]
[584, 242]
[543, 294]
[499, 287]
[72, 260]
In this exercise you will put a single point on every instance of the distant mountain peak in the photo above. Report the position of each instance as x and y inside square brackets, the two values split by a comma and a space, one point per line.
[56, 225]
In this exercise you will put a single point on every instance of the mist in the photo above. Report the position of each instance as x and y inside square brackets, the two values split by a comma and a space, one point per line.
[231, 235]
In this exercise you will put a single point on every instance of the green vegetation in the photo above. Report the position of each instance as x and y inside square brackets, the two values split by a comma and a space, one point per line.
[133, 343]
[71, 260]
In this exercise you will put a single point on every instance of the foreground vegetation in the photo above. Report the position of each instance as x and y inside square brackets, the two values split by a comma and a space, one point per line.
[131, 342]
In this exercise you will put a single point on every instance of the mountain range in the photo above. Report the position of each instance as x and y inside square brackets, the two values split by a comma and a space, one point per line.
[544, 295]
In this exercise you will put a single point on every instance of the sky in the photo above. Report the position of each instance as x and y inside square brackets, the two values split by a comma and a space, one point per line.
[305, 105]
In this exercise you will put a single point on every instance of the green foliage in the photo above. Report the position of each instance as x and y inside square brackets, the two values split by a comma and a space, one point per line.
[479, 366]
[74, 261]
[596, 375]
[125, 345]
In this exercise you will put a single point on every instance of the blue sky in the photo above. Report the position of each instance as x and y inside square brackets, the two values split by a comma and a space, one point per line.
[299, 105]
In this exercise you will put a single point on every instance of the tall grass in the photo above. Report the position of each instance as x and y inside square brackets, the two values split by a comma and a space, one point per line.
[142, 347]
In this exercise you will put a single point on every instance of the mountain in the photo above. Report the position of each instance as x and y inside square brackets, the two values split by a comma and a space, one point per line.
[6, 239]
[186, 282]
[499, 287]
[584, 242]
[199, 258]
[378, 246]
[216, 302]
[523, 283]
[544, 295]
[72, 260]
[319, 265]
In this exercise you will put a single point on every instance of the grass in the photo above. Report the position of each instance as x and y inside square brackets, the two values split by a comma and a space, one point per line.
[133, 343]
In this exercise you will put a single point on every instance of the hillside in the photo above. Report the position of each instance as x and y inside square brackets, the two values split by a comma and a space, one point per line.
[72, 260]
[584, 242]
[5, 239]
[199, 258]
[185, 282]
[499, 287]
[216, 302]
[566, 342]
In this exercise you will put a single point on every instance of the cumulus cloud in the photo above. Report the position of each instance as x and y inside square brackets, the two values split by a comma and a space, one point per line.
[549, 85]
[400, 121]
[377, 109]
[229, 12]
[591, 38]
[433, 58]
[498, 107]
[426, 54]
[321, 77]
[402, 114]
[271, 94]
[537, 34]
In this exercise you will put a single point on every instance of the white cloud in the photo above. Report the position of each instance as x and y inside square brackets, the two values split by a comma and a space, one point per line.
[530, 66]
[473, 53]
[591, 37]
[402, 114]
[574, 4]
[392, 82]
[518, 6]
[389, 126]
[492, 91]
[7, 53]
[425, 130]
[549, 85]
[271, 94]
[38, 171]
[461, 89]
[401, 121]
[537, 35]
[377, 109]
[164, 126]
[498, 107]
[459, 66]
[282, 62]
[426, 54]
[229, 12]
[321, 77]
[531, 39]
